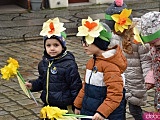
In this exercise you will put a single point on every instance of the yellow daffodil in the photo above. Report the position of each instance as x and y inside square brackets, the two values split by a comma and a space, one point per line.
[10, 70]
[52, 27]
[137, 38]
[13, 61]
[52, 112]
[5, 71]
[122, 20]
[90, 29]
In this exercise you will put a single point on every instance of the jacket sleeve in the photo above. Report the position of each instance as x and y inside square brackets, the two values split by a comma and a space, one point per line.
[79, 98]
[114, 83]
[145, 58]
[37, 85]
[73, 78]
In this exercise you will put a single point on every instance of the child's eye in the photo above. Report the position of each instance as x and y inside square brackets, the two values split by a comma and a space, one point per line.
[56, 45]
[48, 45]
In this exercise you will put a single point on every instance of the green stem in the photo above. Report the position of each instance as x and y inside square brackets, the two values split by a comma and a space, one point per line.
[74, 115]
[19, 74]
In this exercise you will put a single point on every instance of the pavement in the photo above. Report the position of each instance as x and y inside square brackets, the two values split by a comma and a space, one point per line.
[19, 39]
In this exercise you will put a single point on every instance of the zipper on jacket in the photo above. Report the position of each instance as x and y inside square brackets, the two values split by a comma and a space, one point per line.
[94, 61]
[47, 83]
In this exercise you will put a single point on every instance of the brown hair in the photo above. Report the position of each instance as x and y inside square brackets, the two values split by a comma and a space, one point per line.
[127, 38]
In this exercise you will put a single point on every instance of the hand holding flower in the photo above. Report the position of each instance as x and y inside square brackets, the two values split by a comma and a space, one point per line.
[28, 85]
[76, 111]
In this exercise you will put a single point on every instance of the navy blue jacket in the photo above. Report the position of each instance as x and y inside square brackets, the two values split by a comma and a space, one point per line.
[63, 83]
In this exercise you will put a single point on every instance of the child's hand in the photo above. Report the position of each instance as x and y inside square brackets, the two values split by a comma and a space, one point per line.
[28, 85]
[76, 111]
[97, 116]
[149, 86]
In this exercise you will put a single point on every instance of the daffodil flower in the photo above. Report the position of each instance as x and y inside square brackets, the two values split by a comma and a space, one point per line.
[11, 70]
[122, 20]
[13, 61]
[52, 27]
[52, 112]
[137, 38]
[90, 29]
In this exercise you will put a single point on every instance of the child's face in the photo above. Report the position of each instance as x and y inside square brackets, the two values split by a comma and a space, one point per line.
[91, 49]
[53, 47]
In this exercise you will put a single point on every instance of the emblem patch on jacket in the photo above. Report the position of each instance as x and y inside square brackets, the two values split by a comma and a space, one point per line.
[95, 69]
[54, 70]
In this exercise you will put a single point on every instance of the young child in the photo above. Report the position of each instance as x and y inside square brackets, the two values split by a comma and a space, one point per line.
[58, 79]
[150, 33]
[102, 91]
[121, 22]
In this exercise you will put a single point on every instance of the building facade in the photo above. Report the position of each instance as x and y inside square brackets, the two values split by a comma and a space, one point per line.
[51, 3]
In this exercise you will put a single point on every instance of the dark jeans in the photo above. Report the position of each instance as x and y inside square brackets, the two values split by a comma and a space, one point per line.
[135, 111]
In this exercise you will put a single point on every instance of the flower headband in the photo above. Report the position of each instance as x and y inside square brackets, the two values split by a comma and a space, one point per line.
[145, 39]
[122, 20]
[92, 29]
[53, 27]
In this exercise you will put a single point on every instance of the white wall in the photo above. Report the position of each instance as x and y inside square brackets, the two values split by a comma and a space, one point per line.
[101, 1]
[64, 3]
[58, 3]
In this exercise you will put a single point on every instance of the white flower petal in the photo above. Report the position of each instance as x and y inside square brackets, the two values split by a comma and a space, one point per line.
[89, 39]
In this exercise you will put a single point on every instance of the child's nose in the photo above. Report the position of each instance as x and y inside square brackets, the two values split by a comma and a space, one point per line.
[52, 47]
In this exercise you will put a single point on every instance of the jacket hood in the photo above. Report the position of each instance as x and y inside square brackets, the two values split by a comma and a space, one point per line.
[114, 55]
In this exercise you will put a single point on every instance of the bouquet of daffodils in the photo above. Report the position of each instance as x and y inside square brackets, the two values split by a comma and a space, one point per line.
[53, 113]
[11, 70]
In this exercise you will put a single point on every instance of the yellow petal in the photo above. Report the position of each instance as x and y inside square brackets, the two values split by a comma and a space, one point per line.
[43, 113]
[137, 36]
[125, 13]
[128, 21]
[125, 26]
[117, 28]
[13, 61]
[120, 28]
[115, 17]
[5, 73]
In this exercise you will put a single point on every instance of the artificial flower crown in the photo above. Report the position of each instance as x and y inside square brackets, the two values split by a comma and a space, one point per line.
[92, 29]
[53, 27]
[138, 38]
[122, 20]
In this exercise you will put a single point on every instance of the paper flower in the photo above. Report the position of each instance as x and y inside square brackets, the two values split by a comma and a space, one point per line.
[52, 27]
[11, 70]
[121, 20]
[137, 38]
[90, 29]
